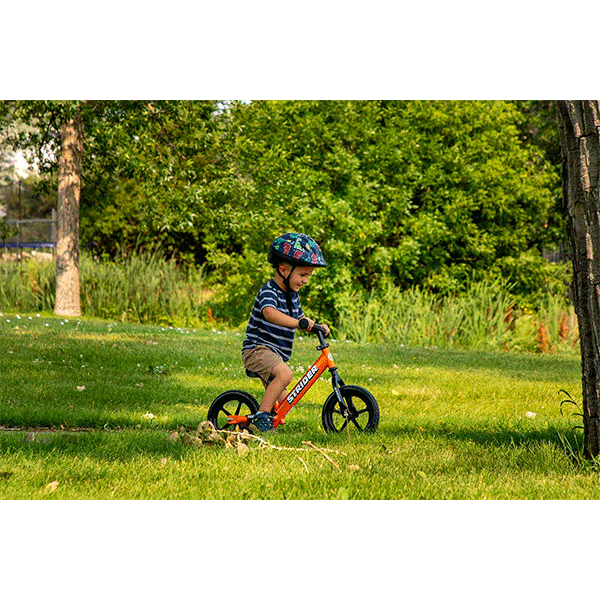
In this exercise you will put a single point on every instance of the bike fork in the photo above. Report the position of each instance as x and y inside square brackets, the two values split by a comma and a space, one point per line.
[347, 410]
[337, 382]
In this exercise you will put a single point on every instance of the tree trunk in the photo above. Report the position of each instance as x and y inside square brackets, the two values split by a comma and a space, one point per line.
[67, 244]
[579, 127]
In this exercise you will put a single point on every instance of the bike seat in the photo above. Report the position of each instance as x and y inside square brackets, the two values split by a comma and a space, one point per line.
[250, 373]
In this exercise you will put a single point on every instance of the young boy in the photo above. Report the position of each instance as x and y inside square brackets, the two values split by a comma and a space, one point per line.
[274, 319]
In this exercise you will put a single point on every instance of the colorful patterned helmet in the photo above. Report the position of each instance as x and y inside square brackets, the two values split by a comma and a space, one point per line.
[296, 249]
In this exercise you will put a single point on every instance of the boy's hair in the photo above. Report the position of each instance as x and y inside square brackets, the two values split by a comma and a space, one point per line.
[277, 264]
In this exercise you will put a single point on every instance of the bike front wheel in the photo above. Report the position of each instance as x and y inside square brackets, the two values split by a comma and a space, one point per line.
[362, 410]
[232, 402]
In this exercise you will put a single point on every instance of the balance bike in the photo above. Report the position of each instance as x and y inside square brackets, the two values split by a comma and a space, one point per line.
[346, 405]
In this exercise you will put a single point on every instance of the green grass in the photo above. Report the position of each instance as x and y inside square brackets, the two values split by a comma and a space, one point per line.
[75, 398]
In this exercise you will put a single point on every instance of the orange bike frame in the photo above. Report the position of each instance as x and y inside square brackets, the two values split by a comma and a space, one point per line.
[282, 408]
[324, 362]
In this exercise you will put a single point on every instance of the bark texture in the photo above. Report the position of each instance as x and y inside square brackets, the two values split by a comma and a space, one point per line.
[579, 127]
[67, 245]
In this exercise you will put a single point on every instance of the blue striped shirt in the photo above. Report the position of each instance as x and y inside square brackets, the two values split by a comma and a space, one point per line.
[261, 332]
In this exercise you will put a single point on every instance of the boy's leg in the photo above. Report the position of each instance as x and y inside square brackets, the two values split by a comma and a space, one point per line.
[268, 364]
[282, 376]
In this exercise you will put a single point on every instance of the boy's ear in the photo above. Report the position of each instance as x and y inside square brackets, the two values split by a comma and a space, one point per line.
[283, 269]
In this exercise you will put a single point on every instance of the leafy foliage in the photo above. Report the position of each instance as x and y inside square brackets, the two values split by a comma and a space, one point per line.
[403, 193]
[408, 193]
[150, 162]
[140, 161]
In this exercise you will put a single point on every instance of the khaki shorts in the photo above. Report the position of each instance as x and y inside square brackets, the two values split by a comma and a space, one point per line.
[261, 360]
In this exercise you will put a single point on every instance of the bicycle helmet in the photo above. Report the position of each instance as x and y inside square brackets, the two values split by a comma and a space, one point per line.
[297, 249]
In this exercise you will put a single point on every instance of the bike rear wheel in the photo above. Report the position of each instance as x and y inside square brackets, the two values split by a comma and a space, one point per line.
[362, 413]
[232, 402]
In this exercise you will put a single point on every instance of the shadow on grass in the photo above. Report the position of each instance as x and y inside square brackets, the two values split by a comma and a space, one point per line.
[174, 406]
[566, 439]
[116, 432]
[122, 445]
[119, 445]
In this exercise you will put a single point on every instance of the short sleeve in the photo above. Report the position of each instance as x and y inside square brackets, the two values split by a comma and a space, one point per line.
[267, 298]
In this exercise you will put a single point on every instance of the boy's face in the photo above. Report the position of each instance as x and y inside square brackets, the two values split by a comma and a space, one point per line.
[300, 275]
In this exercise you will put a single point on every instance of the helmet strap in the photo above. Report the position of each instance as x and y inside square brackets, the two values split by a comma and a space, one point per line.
[288, 291]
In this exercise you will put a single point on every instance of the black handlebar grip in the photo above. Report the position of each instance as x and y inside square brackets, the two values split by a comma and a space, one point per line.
[303, 324]
[318, 329]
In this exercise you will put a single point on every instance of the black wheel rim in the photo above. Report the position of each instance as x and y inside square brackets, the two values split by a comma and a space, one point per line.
[341, 418]
[232, 403]
[356, 407]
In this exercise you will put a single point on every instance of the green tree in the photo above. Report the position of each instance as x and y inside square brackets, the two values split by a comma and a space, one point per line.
[408, 193]
[158, 144]
[402, 193]
[148, 164]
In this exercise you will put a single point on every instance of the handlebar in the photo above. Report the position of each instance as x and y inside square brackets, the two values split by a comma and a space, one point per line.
[303, 324]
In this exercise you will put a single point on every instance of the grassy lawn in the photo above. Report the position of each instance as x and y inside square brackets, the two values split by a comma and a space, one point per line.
[87, 409]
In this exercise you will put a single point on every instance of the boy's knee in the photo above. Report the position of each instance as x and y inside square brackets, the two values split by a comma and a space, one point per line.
[284, 374]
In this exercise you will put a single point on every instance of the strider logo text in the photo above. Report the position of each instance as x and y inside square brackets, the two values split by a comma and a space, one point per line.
[302, 384]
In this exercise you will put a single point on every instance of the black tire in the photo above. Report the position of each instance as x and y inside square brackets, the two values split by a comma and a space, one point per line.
[232, 402]
[363, 410]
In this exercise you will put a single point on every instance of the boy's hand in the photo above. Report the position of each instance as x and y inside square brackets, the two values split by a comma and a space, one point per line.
[309, 326]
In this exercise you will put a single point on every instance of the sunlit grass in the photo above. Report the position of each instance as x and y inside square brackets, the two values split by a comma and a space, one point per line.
[104, 397]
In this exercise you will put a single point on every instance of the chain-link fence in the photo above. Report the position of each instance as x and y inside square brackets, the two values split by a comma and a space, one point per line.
[28, 238]
[30, 233]
[27, 225]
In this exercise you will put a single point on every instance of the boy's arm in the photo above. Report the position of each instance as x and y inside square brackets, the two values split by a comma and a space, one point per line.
[278, 318]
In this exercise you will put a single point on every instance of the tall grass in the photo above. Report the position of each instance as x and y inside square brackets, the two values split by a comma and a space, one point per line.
[142, 288]
[28, 286]
[147, 288]
[485, 316]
